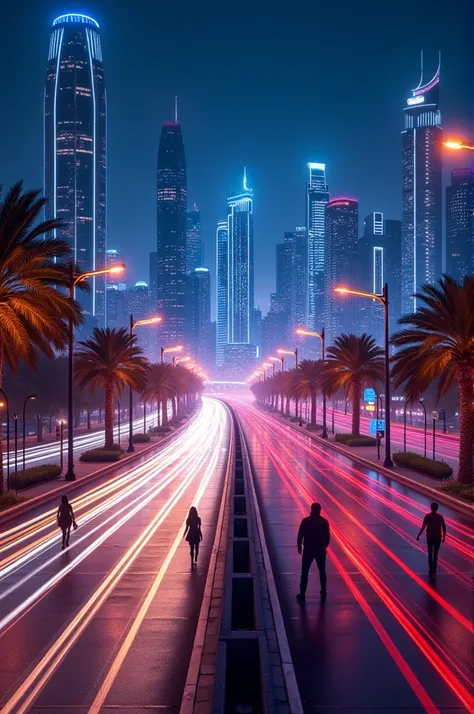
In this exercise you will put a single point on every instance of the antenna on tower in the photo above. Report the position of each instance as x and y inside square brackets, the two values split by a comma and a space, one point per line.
[245, 179]
[421, 64]
[176, 109]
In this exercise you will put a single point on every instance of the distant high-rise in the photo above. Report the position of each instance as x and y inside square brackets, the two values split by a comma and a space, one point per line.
[138, 307]
[117, 306]
[422, 190]
[221, 291]
[317, 197]
[240, 277]
[154, 336]
[75, 147]
[340, 265]
[194, 254]
[460, 224]
[171, 243]
[393, 271]
[200, 315]
[112, 257]
[296, 251]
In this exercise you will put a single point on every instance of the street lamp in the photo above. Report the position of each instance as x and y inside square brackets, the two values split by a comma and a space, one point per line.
[61, 437]
[178, 360]
[8, 437]
[456, 145]
[73, 281]
[294, 352]
[321, 336]
[32, 397]
[165, 350]
[383, 298]
[281, 360]
[133, 324]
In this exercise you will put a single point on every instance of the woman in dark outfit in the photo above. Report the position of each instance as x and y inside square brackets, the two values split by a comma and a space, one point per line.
[66, 520]
[193, 533]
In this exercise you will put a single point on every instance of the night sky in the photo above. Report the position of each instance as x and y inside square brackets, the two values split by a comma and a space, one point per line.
[262, 84]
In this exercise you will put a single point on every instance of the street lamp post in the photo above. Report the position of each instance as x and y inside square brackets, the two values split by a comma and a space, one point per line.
[295, 355]
[322, 336]
[133, 325]
[15, 421]
[118, 421]
[32, 397]
[165, 350]
[426, 425]
[8, 437]
[61, 443]
[383, 298]
[73, 281]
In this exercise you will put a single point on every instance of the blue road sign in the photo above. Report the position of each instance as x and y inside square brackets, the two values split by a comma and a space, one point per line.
[377, 425]
[369, 396]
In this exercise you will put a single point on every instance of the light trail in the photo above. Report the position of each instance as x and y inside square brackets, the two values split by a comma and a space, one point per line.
[291, 470]
[211, 435]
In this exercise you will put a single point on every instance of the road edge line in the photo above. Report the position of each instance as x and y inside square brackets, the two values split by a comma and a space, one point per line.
[192, 678]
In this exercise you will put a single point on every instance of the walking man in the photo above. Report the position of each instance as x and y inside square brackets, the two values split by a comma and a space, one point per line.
[435, 535]
[314, 536]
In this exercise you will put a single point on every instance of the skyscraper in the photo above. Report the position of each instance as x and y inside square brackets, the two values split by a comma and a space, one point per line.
[171, 243]
[393, 271]
[194, 255]
[460, 224]
[200, 315]
[422, 190]
[340, 265]
[240, 277]
[317, 196]
[138, 307]
[221, 291]
[112, 257]
[75, 147]
[296, 247]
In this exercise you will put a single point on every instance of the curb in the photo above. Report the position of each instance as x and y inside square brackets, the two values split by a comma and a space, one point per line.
[444, 498]
[214, 582]
[11, 513]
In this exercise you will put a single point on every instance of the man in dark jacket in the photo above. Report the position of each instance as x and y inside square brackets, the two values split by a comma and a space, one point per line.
[435, 535]
[314, 535]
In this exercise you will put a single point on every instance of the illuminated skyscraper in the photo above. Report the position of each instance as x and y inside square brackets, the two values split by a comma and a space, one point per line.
[138, 297]
[221, 290]
[422, 190]
[340, 265]
[240, 262]
[75, 147]
[460, 224]
[194, 256]
[317, 196]
[171, 243]
[200, 315]
[296, 248]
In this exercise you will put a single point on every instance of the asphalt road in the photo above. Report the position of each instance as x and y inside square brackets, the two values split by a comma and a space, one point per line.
[389, 638]
[108, 624]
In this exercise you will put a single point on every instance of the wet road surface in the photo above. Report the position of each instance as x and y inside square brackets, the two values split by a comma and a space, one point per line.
[108, 624]
[389, 638]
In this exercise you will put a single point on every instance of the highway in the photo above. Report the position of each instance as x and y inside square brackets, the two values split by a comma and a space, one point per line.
[108, 624]
[389, 638]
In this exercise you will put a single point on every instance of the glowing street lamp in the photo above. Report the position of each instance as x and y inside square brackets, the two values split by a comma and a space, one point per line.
[178, 360]
[33, 398]
[155, 320]
[281, 360]
[74, 280]
[455, 145]
[167, 350]
[383, 298]
[294, 352]
[321, 336]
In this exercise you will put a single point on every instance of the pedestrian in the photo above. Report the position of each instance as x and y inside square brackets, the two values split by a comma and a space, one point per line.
[314, 536]
[435, 535]
[66, 519]
[193, 533]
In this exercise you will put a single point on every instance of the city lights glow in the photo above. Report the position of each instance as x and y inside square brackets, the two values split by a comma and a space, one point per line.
[457, 145]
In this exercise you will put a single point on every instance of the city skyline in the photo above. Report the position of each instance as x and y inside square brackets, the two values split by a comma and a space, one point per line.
[342, 155]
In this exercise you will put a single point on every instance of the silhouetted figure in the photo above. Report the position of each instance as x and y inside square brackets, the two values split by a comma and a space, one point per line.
[194, 534]
[435, 535]
[66, 520]
[314, 536]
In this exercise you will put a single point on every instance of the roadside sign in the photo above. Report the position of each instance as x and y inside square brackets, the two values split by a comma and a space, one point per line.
[369, 395]
[377, 425]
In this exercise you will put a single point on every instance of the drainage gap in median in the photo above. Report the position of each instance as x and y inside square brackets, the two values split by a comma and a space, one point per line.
[240, 506]
[243, 686]
[243, 608]
[241, 553]
[240, 528]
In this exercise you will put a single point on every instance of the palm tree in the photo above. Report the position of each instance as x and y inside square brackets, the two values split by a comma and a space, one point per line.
[308, 382]
[35, 309]
[161, 385]
[438, 343]
[351, 363]
[110, 359]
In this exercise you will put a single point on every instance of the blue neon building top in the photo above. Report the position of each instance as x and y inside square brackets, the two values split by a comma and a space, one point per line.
[77, 18]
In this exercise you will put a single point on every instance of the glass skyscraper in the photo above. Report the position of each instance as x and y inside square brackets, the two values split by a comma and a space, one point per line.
[75, 147]
[460, 224]
[200, 315]
[221, 291]
[194, 256]
[171, 239]
[422, 190]
[317, 196]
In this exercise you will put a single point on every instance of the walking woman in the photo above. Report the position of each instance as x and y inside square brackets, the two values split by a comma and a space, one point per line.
[66, 520]
[193, 533]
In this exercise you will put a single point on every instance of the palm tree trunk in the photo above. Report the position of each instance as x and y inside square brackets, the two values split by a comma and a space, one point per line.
[88, 419]
[466, 427]
[39, 428]
[1, 426]
[164, 412]
[356, 393]
[173, 409]
[109, 415]
[313, 407]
